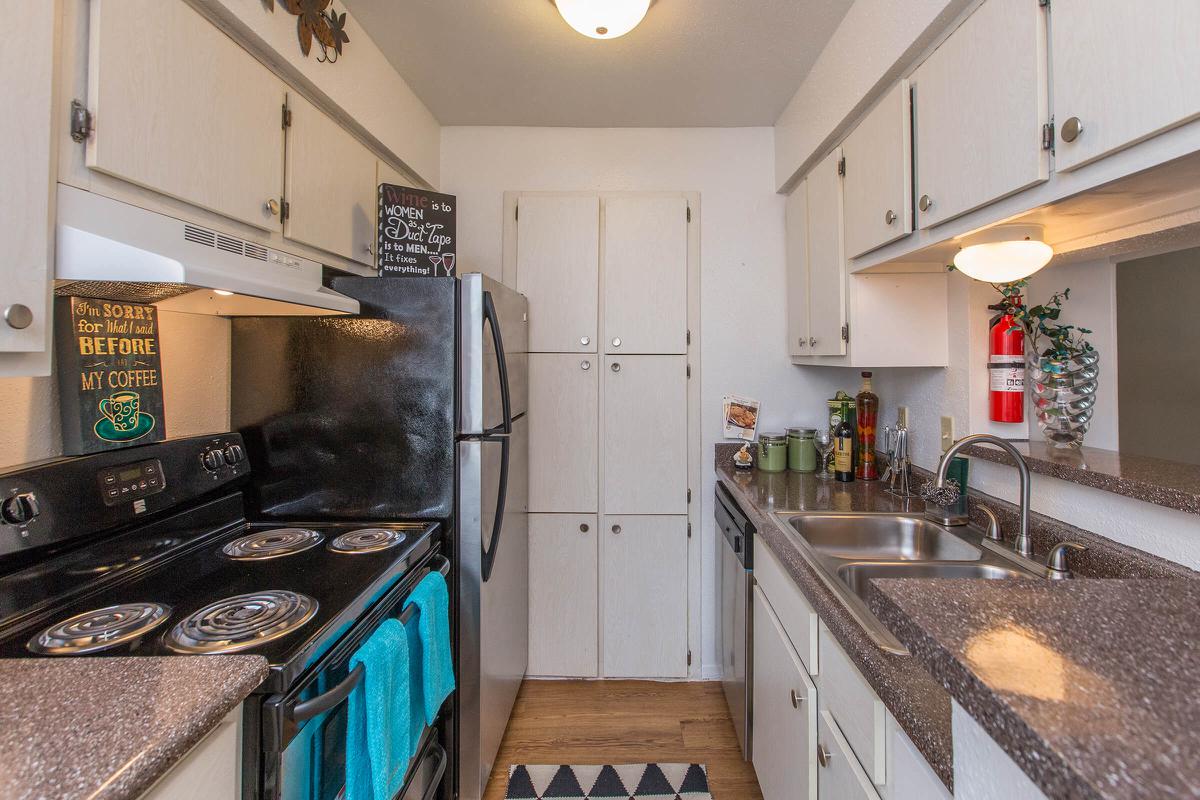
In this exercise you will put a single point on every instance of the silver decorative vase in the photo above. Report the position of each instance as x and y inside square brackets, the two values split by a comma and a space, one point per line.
[1064, 394]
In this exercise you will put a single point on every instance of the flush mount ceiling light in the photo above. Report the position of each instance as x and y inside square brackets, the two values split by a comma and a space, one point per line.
[1004, 254]
[603, 19]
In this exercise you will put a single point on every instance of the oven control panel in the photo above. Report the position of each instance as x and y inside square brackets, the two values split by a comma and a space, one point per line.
[126, 482]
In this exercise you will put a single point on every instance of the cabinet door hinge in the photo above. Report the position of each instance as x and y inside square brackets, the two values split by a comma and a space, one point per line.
[689, 336]
[841, 166]
[689, 658]
[846, 332]
[1048, 136]
[1044, 3]
[516, 212]
[689, 496]
[81, 122]
[689, 530]
[286, 116]
[285, 211]
[689, 213]
[689, 371]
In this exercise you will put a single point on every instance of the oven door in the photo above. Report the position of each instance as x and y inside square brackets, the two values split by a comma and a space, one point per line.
[304, 730]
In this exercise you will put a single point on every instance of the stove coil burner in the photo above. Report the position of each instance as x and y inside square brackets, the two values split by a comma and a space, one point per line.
[100, 629]
[272, 544]
[241, 622]
[367, 540]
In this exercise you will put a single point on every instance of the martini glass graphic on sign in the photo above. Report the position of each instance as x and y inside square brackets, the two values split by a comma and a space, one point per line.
[437, 262]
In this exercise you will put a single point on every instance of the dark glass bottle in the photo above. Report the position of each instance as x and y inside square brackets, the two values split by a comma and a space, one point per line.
[843, 452]
[866, 405]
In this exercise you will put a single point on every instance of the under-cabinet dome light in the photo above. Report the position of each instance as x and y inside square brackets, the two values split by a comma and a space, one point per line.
[1004, 254]
[603, 19]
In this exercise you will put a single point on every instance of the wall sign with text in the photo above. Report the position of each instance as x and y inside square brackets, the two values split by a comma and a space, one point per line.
[416, 232]
[109, 374]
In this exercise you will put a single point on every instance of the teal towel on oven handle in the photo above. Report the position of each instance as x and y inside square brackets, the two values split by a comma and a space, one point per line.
[432, 599]
[379, 739]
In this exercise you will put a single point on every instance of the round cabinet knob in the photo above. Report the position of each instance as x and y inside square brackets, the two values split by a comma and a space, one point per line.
[889, 217]
[616, 528]
[18, 316]
[585, 365]
[616, 367]
[271, 207]
[19, 509]
[796, 699]
[925, 203]
[812, 341]
[585, 340]
[616, 341]
[583, 527]
[823, 755]
[803, 341]
[1072, 129]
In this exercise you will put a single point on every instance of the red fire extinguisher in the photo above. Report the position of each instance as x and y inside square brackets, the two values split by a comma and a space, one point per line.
[1006, 364]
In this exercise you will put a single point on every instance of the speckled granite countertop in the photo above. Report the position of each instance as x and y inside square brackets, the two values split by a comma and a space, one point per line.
[1091, 686]
[107, 728]
[918, 702]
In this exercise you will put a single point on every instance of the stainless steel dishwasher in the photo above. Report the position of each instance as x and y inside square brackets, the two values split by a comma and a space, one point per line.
[736, 538]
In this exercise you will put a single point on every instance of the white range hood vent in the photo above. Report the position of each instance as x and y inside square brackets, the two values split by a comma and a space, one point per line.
[112, 250]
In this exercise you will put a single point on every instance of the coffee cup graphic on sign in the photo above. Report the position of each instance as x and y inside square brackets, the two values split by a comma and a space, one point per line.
[123, 418]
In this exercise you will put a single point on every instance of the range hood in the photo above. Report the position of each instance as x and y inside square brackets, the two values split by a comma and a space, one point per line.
[111, 250]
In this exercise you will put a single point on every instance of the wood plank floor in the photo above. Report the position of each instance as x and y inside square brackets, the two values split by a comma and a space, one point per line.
[625, 722]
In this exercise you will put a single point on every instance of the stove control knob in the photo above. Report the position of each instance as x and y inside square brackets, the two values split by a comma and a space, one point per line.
[19, 509]
[234, 454]
[212, 459]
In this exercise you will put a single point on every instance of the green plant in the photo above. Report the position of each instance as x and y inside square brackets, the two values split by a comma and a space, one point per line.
[1045, 335]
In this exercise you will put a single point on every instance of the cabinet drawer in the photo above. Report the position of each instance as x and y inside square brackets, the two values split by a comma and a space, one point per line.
[859, 712]
[839, 775]
[794, 612]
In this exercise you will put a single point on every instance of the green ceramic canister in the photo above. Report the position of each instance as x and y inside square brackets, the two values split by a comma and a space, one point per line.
[772, 452]
[802, 449]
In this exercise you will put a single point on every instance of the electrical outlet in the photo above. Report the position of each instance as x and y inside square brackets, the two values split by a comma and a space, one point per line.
[902, 416]
[947, 433]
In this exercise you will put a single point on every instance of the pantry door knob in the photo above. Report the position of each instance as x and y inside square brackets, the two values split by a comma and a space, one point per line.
[925, 203]
[616, 367]
[616, 528]
[823, 756]
[889, 217]
[812, 341]
[585, 365]
[585, 340]
[803, 341]
[583, 527]
[616, 341]
[1072, 129]
[796, 699]
[18, 316]
[271, 207]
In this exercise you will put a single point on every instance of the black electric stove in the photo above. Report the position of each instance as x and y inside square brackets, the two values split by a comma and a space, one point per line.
[147, 552]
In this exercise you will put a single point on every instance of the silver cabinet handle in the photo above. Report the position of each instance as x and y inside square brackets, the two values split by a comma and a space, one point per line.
[18, 316]
[585, 365]
[616, 341]
[616, 528]
[583, 527]
[796, 699]
[823, 756]
[616, 367]
[585, 340]
[812, 342]
[1072, 129]
[271, 206]
[925, 203]
[889, 217]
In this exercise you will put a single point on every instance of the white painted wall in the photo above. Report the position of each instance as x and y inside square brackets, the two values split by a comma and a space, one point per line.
[743, 297]
[195, 364]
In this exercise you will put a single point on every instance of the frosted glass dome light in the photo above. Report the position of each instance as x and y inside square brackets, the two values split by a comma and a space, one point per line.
[603, 19]
[1004, 254]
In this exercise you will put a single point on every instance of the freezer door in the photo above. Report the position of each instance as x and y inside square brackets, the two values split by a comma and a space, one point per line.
[494, 344]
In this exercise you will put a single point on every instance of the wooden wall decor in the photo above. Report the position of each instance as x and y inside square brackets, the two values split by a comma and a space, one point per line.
[316, 20]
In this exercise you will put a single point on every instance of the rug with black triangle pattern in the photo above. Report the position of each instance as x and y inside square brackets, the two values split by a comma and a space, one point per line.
[626, 781]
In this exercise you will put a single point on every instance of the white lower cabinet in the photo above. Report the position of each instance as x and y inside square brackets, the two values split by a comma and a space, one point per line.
[785, 712]
[909, 775]
[563, 595]
[644, 596]
[839, 775]
[849, 699]
[212, 770]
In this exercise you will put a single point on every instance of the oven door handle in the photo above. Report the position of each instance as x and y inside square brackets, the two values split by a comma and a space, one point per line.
[435, 784]
[331, 699]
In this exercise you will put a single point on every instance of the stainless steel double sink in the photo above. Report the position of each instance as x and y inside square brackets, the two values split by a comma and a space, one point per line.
[848, 550]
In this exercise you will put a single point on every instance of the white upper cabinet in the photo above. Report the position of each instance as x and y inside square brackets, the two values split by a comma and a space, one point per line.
[330, 185]
[980, 106]
[796, 221]
[877, 189]
[181, 109]
[826, 264]
[645, 275]
[1122, 72]
[558, 258]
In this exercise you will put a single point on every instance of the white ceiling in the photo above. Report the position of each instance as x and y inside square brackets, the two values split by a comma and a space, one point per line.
[691, 63]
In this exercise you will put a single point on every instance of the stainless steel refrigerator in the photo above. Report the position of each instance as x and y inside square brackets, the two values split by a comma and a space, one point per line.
[413, 409]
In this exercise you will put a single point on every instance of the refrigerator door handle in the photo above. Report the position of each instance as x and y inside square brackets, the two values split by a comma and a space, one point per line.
[489, 552]
[489, 316]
